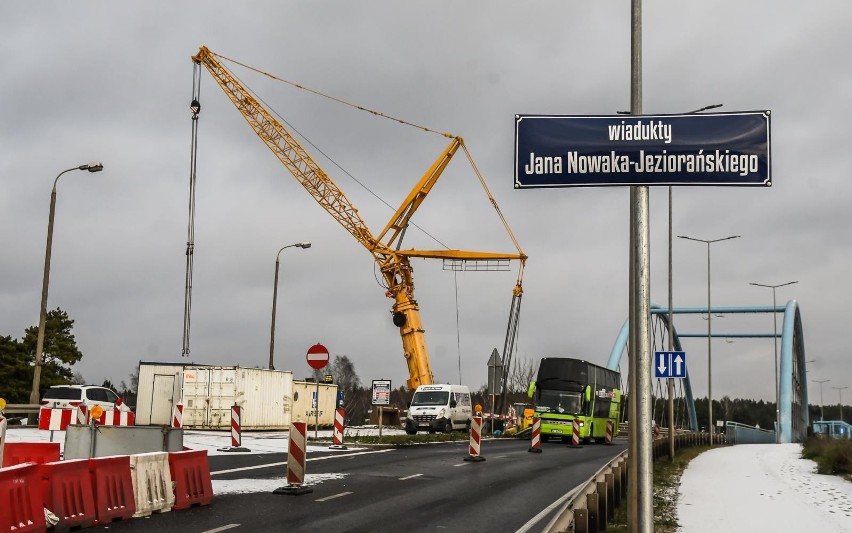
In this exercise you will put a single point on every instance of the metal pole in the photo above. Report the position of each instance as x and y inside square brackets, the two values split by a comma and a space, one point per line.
[641, 276]
[840, 399]
[710, 427]
[45, 283]
[274, 305]
[821, 381]
[670, 381]
[316, 413]
[775, 344]
[303, 245]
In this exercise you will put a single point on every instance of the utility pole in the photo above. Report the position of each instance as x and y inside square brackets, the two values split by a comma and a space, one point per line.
[820, 381]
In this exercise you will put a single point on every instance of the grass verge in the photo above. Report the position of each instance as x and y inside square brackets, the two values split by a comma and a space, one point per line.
[832, 456]
[667, 476]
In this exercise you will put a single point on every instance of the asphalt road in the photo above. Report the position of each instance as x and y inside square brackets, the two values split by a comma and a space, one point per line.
[408, 488]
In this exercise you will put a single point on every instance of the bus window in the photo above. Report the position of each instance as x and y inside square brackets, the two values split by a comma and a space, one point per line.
[556, 401]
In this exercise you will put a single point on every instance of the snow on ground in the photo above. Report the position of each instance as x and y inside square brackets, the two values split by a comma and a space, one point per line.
[749, 487]
[761, 487]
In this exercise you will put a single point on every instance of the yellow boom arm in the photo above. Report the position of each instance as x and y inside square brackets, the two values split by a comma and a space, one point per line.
[394, 264]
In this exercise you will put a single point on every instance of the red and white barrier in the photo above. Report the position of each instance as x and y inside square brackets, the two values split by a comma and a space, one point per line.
[296, 459]
[55, 419]
[475, 439]
[575, 434]
[609, 428]
[177, 415]
[59, 419]
[236, 432]
[337, 437]
[535, 445]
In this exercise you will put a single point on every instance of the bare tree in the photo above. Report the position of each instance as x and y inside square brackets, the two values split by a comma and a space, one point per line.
[522, 373]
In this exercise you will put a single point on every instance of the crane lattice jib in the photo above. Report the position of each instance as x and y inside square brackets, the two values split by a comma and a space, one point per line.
[288, 150]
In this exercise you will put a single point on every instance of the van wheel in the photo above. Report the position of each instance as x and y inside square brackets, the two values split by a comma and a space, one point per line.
[448, 427]
[411, 431]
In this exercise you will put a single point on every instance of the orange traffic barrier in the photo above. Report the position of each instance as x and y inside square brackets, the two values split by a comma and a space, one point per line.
[113, 488]
[16, 453]
[190, 473]
[19, 492]
[67, 492]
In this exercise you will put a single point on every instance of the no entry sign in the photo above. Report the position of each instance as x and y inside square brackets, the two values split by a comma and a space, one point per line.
[317, 356]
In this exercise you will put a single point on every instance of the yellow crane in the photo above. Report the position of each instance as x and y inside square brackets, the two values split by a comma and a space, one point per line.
[393, 263]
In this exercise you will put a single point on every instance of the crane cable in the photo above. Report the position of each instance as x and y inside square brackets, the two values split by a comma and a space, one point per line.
[195, 108]
[334, 98]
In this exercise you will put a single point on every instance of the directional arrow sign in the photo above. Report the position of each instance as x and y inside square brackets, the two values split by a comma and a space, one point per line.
[670, 364]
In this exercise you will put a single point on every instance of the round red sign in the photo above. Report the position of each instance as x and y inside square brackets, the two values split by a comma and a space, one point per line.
[317, 356]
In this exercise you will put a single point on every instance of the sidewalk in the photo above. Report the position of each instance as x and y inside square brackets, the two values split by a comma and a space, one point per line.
[761, 487]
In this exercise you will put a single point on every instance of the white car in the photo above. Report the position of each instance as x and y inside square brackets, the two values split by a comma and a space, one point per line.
[72, 396]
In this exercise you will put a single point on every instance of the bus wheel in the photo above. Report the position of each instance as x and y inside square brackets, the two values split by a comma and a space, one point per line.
[544, 438]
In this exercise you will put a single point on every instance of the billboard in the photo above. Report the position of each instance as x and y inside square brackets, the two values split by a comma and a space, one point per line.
[688, 149]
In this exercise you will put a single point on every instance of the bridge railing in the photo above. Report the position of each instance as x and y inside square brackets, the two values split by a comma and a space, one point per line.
[835, 429]
[743, 434]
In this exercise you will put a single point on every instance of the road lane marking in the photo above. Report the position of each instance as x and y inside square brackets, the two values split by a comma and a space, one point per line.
[409, 477]
[462, 464]
[223, 528]
[270, 465]
[340, 495]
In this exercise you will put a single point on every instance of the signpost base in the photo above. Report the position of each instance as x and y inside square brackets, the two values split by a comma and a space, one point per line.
[293, 490]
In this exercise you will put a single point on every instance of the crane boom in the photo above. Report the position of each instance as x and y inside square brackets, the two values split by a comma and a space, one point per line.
[394, 264]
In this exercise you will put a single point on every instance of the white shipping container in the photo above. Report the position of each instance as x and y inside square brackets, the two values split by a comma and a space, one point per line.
[303, 402]
[266, 397]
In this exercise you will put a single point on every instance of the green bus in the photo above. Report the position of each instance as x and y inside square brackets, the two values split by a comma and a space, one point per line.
[567, 389]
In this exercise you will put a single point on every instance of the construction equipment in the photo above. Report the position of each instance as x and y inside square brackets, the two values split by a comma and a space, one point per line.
[393, 263]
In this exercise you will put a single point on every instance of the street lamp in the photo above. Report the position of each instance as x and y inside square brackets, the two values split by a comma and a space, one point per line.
[94, 166]
[820, 381]
[303, 245]
[840, 399]
[775, 339]
[710, 427]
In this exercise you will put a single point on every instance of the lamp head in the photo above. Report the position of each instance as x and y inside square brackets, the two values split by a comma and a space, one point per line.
[306, 244]
[94, 166]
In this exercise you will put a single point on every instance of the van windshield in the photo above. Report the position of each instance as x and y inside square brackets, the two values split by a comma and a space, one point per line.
[431, 398]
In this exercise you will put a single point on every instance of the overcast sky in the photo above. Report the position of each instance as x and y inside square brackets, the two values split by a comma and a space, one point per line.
[112, 82]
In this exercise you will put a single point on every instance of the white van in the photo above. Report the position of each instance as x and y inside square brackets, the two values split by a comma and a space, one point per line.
[439, 408]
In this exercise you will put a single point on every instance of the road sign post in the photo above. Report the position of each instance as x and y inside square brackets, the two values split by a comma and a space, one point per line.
[317, 358]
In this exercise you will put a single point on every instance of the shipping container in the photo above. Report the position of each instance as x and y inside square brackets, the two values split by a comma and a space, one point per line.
[268, 398]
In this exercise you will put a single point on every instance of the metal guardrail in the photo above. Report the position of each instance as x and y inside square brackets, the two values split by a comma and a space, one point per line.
[738, 433]
[593, 504]
[21, 408]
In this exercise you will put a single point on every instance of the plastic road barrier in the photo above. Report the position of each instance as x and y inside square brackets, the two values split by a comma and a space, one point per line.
[609, 427]
[16, 453]
[236, 432]
[152, 483]
[296, 458]
[67, 492]
[22, 509]
[113, 488]
[337, 438]
[535, 445]
[575, 437]
[190, 473]
[475, 438]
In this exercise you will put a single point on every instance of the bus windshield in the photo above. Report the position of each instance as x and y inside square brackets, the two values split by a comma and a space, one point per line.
[556, 401]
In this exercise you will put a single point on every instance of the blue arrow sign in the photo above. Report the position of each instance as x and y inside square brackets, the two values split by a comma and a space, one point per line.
[670, 364]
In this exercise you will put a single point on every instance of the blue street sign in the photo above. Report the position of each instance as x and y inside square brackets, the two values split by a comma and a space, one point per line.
[686, 149]
[670, 364]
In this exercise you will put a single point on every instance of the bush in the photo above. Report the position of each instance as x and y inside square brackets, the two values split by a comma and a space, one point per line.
[832, 456]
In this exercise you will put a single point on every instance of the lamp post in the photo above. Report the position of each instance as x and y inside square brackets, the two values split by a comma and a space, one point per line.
[840, 399]
[708, 242]
[775, 339]
[303, 245]
[94, 166]
[820, 381]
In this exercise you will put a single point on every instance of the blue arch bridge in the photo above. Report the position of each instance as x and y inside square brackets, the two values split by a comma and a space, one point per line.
[792, 382]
